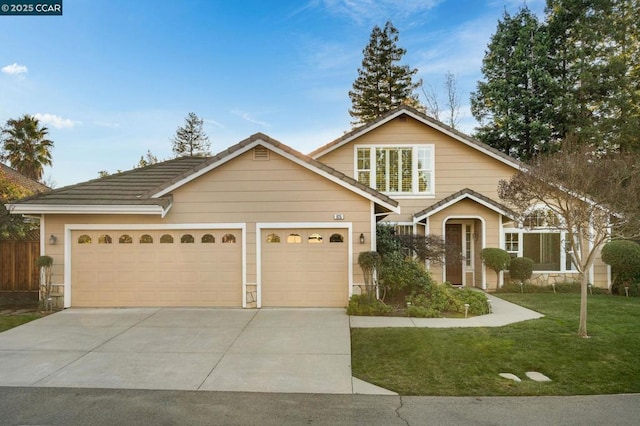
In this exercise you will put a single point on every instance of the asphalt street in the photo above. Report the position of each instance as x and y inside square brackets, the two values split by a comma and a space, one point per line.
[68, 406]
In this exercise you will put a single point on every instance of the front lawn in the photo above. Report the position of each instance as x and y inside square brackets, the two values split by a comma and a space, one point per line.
[421, 361]
[10, 321]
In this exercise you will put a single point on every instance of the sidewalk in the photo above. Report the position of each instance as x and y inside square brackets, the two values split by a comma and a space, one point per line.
[504, 313]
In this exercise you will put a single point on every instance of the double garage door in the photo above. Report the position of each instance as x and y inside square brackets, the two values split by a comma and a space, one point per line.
[156, 268]
[300, 268]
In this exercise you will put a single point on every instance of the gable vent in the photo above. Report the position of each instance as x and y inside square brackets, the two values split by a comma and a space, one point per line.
[402, 119]
[260, 153]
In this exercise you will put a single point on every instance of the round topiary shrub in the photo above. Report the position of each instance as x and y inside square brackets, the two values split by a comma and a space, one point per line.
[624, 258]
[521, 268]
[496, 259]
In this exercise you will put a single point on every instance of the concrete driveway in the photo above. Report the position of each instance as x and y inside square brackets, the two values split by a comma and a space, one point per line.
[267, 350]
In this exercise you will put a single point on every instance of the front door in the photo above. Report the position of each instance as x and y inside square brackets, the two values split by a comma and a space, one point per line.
[453, 237]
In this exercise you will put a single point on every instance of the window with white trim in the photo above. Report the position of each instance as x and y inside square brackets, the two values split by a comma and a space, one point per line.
[396, 169]
[541, 241]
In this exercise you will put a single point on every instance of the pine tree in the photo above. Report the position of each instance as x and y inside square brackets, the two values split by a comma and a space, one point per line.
[190, 140]
[515, 103]
[382, 83]
[597, 52]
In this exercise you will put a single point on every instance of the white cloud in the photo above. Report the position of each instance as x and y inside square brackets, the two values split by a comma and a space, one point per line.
[245, 116]
[15, 69]
[56, 121]
[376, 11]
[213, 123]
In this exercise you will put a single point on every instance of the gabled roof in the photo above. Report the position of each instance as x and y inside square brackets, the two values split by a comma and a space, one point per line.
[148, 190]
[462, 195]
[421, 117]
[21, 180]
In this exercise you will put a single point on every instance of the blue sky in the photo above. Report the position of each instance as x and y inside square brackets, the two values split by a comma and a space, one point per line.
[114, 78]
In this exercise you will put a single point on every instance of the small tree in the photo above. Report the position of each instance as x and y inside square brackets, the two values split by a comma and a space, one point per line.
[190, 140]
[624, 258]
[496, 259]
[369, 261]
[594, 195]
[45, 263]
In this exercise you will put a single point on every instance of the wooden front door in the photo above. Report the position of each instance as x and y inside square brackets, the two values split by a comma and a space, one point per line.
[453, 237]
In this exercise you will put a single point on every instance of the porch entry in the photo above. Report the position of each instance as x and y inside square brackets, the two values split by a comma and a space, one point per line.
[453, 238]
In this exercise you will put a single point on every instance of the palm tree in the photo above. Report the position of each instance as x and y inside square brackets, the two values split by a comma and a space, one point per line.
[26, 146]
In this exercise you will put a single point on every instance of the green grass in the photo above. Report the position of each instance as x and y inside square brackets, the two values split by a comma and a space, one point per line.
[10, 321]
[421, 361]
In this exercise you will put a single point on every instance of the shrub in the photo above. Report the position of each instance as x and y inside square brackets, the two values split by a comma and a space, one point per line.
[496, 259]
[369, 261]
[521, 268]
[624, 258]
[421, 312]
[398, 273]
[444, 298]
[360, 305]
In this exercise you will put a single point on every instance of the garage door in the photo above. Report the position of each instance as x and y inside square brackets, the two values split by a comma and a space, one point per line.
[305, 267]
[156, 268]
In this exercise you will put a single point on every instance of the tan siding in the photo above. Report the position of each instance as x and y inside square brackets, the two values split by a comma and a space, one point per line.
[244, 191]
[457, 166]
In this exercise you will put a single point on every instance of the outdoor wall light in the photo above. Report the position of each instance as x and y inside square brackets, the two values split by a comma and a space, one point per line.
[53, 240]
[361, 238]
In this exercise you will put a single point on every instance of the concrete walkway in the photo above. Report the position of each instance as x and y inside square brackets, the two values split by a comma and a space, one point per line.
[504, 313]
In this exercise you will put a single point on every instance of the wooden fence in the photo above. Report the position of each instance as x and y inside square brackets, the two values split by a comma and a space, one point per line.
[18, 270]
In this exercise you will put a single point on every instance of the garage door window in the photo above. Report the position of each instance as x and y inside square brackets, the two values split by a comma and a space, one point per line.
[105, 239]
[146, 239]
[315, 239]
[84, 239]
[187, 239]
[166, 239]
[125, 239]
[228, 238]
[208, 239]
[294, 239]
[336, 238]
[273, 238]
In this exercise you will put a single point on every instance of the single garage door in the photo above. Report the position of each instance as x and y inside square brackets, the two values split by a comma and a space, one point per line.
[156, 268]
[305, 267]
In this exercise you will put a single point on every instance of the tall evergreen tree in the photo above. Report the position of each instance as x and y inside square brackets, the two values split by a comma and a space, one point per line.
[26, 146]
[514, 104]
[190, 140]
[596, 50]
[382, 83]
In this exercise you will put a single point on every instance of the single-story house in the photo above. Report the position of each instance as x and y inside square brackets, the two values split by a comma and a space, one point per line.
[261, 225]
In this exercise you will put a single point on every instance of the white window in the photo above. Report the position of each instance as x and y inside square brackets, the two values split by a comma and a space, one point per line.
[541, 241]
[468, 246]
[396, 169]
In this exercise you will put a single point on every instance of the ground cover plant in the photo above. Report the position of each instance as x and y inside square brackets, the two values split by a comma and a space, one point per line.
[423, 361]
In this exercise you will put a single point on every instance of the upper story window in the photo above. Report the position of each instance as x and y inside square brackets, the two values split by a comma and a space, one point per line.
[396, 169]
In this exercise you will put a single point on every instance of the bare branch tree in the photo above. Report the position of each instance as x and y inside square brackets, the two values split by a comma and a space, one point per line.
[433, 102]
[595, 196]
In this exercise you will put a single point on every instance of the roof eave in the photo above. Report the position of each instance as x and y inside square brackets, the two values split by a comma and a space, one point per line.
[421, 216]
[87, 209]
[512, 162]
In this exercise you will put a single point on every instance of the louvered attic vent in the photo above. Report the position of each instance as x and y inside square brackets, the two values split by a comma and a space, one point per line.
[260, 153]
